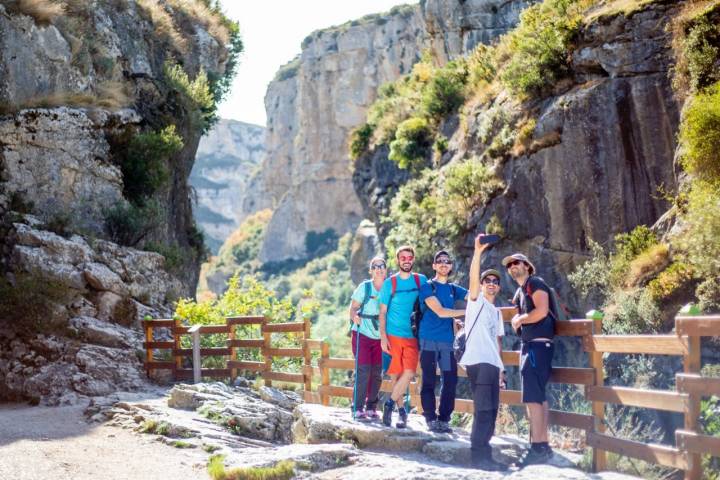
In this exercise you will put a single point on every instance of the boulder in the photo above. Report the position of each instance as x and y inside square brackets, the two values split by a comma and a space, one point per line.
[96, 331]
[100, 277]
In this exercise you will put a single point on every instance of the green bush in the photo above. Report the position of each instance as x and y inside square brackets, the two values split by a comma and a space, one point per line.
[538, 48]
[195, 95]
[144, 162]
[700, 136]
[469, 185]
[700, 242]
[698, 48]
[173, 253]
[360, 140]
[128, 224]
[444, 93]
[412, 144]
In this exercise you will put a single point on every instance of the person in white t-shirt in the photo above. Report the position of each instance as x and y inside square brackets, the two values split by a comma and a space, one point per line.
[483, 334]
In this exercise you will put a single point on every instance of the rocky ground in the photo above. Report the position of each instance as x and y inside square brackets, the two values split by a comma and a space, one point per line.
[166, 434]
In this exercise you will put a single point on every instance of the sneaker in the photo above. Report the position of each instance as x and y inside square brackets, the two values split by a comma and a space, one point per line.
[387, 414]
[361, 416]
[490, 465]
[402, 418]
[534, 457]
[372, 415]
[444, 427]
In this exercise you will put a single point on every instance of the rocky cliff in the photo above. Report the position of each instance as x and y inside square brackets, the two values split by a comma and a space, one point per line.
[316, 100]
[599, 150]
[102, 106]
[226, 159]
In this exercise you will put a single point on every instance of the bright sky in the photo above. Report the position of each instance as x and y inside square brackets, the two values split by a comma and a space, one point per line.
[272, 31]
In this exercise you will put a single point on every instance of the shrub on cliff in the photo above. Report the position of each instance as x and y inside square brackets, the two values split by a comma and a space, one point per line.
[360, 140]
[412, 144]
[697, 46]
[129, 224]
[29, 304]
[144, 162]
[195, 96]
[445, 92]
[700, 136]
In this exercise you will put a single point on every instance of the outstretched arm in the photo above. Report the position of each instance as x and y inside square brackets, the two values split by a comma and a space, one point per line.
[434, 304]
[474, 291]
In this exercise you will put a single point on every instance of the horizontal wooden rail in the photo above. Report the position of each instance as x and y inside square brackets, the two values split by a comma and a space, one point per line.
[346, 363]
[284, 377]
[256, 343]
[245, 320]
[159, 345]
[205, 352]
[635, 397]
[573, 328]
[661, 454]
[647, 344]
[700, 326]
[697, 443]
[575, 376]
[697, 384]
[510, 357]
[313, 344]
[204, 329]
[159, 365]
[310, 371]
[511, 397]
[246, 365]
[572, 420]
[160, 323]
[283, 352]
[283, 327]
[187, 373]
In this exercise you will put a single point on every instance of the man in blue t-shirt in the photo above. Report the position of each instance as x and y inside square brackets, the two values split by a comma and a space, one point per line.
[436, 335]
[397, 301]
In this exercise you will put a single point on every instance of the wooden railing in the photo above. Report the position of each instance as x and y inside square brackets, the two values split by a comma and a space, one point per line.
[685, 399]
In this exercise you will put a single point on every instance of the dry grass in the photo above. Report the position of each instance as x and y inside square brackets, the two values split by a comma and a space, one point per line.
[205, 17]
[648, 264]
[611, 8]
[164, 24]
[44, 12]
[108, 95]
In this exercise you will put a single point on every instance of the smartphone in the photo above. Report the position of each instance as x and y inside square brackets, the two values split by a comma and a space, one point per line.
[489, 239]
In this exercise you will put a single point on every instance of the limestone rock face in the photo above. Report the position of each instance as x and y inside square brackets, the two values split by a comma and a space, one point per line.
[366, 245]
[226, 159]
[604, 145]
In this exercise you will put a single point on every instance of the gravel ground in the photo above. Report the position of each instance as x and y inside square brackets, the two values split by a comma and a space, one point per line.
[57, 443]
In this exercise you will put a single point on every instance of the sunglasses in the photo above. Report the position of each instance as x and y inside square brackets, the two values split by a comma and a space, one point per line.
[491, 281]
[513, 263]
[378, 266]
[403, 258]
[444, 261]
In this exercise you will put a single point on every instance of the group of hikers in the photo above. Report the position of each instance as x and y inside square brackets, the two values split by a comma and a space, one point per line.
[404, 319]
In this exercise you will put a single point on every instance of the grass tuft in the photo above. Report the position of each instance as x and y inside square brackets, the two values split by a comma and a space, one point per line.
[284, 470]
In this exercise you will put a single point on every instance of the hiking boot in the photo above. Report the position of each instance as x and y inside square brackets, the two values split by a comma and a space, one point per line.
[360, 416]
[534, 457]
[387, 414]
[372, 415]
[444, 427]
[402, 418]
[489, 465]
[432, 425]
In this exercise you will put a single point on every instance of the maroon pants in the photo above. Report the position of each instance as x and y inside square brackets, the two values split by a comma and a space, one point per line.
[370, 350]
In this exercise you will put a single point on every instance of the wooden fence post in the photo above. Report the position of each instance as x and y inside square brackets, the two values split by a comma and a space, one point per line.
[149, 351]
[233, 351]
[599, 458]
[176, 340]
[307, 355]
[266, 353]
[691, 364]
[325, 373]
[197, 360]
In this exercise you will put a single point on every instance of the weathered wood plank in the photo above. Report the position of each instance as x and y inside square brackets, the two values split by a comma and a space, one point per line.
[159, 345]
[697, 384]
[283, 352]
[698, 326]
[648, 344]
[697, 443]
[283, 327]
[660, 454]
[346, 363]
[635, 397]
[572, 420]
[285, 377]
[159, 323]
[159, 365]
[575, 376]
[209, 351]
[246, 343]
[186, 373]
[246, 365]
[245, 320]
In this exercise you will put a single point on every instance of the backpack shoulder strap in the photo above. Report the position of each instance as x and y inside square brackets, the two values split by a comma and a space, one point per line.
[368, 292]
[416, 277]
[393, 281]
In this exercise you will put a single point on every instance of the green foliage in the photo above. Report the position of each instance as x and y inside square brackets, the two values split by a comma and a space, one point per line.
[412, 143]
[700, 242]
[632, 312]
[710, 422]
[697, 46]
[30, 302]
[284, 470]
[708, 295]
[444, 93]
[670, 280]
[144, 162]
[173, 253]
[195, 95]
[469, 185]
[220, 85]
[494, 226]
[538, 48]
[482, 66]
[182, 444]
[700, 136]
[288, 70]
[441, 145]
[128, 224]
[360, 140]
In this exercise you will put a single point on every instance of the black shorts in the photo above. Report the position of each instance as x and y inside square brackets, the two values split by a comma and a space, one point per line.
[535, 369]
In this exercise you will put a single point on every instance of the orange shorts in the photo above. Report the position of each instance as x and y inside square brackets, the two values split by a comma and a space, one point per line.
[404, 353]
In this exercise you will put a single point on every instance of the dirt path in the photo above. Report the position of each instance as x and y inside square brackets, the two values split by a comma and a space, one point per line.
[37, 443]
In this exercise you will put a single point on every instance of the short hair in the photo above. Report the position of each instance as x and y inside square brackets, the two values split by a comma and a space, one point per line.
[404, 248]
[375, 259]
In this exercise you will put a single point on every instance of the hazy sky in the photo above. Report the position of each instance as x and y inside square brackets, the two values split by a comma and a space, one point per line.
[272, 31]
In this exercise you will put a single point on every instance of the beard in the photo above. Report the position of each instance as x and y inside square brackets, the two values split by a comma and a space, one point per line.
[406, 267]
